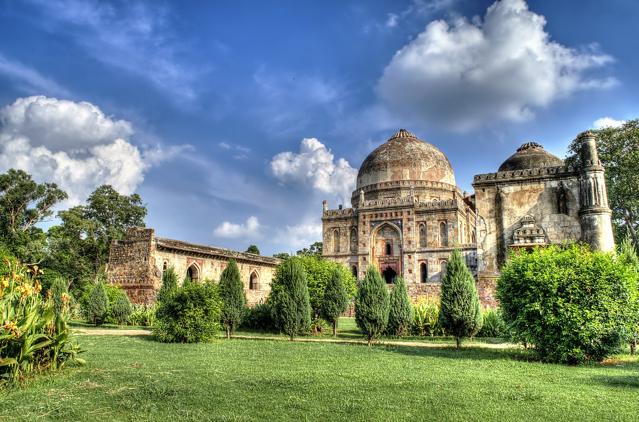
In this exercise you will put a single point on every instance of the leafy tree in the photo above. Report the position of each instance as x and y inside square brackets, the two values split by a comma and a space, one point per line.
[460, 312]
[289, 298]
[628, 255]
[400, 315]
[97, 304]
[169, 283]
[371, 305]
[318, 274]
[253, 249]
[315, 249]
[618, 150]
[233, 298]
[570, 303]
[281, 255]
[80, 245]
[23, 204]
[335, 300]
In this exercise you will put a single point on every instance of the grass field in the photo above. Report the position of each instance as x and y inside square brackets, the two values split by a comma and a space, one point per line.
[135, 378]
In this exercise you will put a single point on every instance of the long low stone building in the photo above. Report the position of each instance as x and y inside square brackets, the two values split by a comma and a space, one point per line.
[137, 262]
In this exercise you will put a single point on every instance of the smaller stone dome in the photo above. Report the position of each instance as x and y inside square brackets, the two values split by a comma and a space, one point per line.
[530, 155]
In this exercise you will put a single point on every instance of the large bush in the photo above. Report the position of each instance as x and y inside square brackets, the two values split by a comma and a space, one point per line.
[628, 255]
[259, 317]
[400, 314]
[34, 335]
[318, 274]
[571, 304]
[233, 298]
[335, 300]
[371, 305]
[189, 314]
[460, 312]
[289, 299]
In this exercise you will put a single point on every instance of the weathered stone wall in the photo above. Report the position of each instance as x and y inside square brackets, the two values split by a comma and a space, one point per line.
[137, 263]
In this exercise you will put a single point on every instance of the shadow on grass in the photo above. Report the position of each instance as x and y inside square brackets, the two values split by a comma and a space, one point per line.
[469, 352]
[627, 381]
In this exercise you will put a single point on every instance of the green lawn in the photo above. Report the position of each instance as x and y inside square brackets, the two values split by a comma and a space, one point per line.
[135, 378]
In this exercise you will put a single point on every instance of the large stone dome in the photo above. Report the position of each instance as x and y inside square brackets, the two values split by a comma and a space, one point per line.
[404, 157]
[530, 155]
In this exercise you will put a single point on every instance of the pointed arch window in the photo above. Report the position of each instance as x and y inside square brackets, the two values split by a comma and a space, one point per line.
[388, 249]
[423, 272]
[443, 234]
[253, 280]
[422, 235]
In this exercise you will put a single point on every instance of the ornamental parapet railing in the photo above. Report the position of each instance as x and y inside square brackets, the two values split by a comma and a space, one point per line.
[540, 172]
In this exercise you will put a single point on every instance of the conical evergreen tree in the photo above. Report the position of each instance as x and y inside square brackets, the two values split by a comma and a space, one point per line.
[371, 304]
[97, 303]
[169, 283]
[335, 300]
[290, 299]
[233, 298]
[460, 312]
[400, 315]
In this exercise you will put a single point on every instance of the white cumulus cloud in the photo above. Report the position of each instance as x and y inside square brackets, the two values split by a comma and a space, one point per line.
[462, 74]
[300, 235]
[605, 122]
[250, 229]
[75, 145]
[315, 166]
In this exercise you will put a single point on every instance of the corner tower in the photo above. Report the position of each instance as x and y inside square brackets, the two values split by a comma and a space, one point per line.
[594, 213]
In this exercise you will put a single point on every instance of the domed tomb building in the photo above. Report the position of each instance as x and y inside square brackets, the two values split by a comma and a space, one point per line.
[406, 218]
[408, 215]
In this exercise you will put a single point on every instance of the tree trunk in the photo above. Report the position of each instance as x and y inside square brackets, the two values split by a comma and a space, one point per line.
[228, 332]
[633, 346]
[370, 341]
[334, 328]
[458, 341]
[629, 223]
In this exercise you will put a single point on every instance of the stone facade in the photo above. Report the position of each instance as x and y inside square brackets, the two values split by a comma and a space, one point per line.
[407, 215]
[136, 264]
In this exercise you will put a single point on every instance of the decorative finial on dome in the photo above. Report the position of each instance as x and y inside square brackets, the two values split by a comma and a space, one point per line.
[403, 133]
[529, 145]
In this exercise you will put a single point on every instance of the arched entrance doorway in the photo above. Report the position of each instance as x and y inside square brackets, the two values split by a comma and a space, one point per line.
[193, 273]
[386, 250]
[389, 275]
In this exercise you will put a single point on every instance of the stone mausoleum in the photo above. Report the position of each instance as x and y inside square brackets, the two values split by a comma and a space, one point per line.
[137, 262]
[407, 214]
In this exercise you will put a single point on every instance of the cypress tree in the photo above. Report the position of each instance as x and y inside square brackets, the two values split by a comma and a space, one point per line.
[169, 283]
[97, 303]
[371, 304]
[233, 298]
[460, 312]
[335, 300]
[400, 315]
[290, 299]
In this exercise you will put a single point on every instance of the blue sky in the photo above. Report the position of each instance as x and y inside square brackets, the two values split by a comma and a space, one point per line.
[234, 120]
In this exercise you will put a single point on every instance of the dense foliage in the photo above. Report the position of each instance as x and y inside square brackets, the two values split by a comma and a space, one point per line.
[494, 325]
[259, 317]
[289, 299]
[319, 272]
[460, 311]
[335, 300]
[400, 314]
[426, 318]
[189, 314]
[233, 298]
[371, 304]
[169, 283]
[34, 335]
[253, 249]
[571, 304]
[142, 315]
[628, 255]
[618, 150]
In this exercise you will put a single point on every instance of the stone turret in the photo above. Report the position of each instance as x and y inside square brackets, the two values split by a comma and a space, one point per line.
[594, 213]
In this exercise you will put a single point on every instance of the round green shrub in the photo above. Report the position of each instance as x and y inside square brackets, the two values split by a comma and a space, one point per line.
[188, 314]
[569, 303]
[120, 309]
